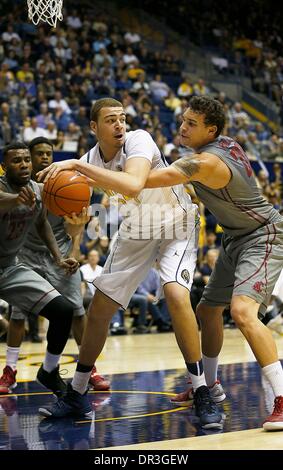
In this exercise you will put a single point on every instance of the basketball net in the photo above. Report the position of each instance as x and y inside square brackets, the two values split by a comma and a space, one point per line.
[48, 11]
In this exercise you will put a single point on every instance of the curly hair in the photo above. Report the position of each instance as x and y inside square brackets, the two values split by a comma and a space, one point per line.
[211, 109]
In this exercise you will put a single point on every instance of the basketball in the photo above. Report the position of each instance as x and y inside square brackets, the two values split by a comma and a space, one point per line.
[66, 193]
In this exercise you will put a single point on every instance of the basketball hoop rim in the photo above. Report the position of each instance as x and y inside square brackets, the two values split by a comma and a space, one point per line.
[47, 11]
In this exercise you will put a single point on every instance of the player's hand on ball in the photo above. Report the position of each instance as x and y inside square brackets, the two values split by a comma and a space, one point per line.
[53, 170]
[78, 219]
[26, 196]
[66, 194]
[69, 264]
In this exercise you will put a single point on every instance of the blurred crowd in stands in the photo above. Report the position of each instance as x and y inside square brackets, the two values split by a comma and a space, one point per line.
[247, 36]
[50, 77]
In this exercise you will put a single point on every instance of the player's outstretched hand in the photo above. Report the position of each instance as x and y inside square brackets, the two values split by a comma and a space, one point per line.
[26, 196]
[52, 170]
[78, 219]
[69, 264]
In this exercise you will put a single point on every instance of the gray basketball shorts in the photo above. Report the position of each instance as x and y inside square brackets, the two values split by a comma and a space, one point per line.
[67, 285]
[25, 289]
[249, 265]
[130, 260]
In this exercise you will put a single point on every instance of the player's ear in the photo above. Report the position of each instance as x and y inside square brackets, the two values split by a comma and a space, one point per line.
[93, 126]
[212, 130]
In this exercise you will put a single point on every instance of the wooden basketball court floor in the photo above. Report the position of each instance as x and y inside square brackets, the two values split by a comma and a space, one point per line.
[145, 371]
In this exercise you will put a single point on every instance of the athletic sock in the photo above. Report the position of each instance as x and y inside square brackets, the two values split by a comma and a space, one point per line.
[274, 374]
[196, 374]
[51, 361]
[210, 366]
[12, 356]
[81, 378]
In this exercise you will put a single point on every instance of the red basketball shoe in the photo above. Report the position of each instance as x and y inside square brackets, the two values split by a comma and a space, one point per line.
[8, 380]
[274, 422]
[98, 382]
[186, 398]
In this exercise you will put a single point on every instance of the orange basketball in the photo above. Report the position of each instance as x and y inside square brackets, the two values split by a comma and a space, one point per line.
[67, 193]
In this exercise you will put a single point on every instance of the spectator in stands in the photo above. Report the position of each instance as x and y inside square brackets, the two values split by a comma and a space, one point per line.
[102, 246]
[274, 196]
[102, 58]
[62, 119]
[253, 146]
[81, 118]
[33, 131]
[89, 272]
[132, 37]
[210, 241]
[140, 84]
[6, 131]
[59, 143]
[150, 288]
[237, 112]
[185, 89]
[159, 89]
[25, 72]
[200, 88]
[263, 181]
[129, 57]
[72, 135]
[207, 266]
[172, 101]
[262, 133]
[59, 102]
[44, 116]
[73, 20]
[51, 132]
[10, 34]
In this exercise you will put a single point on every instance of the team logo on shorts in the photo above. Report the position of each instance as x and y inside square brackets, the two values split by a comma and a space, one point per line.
[185, 275]
[258, 286]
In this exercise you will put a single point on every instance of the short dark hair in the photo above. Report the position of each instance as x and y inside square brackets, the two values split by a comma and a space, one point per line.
[14, 146]
[39, 140]
[211, 109]
[103, 103]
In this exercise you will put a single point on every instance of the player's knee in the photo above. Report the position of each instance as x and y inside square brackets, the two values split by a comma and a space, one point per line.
[239, 314]
[67, 309]
[102, 306]
[59, 308]
[64, 308]
[177, 299]
[202, 312]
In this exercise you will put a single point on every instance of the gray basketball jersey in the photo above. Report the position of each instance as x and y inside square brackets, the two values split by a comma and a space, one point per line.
[34, 242]
[16, 223]
[239, 208]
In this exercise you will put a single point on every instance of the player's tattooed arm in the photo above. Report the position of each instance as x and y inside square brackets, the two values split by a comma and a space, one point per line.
[181, 172]
[204, 168]
[190, 166]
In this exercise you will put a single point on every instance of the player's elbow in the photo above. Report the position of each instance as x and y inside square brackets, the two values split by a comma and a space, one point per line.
[134, 189]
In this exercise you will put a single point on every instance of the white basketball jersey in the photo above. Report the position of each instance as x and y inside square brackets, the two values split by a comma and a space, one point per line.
[152, 207]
